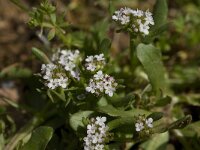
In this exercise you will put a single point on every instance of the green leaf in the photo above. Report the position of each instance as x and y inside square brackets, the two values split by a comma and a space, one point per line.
[111, 7]
[15, 72]
[154, 33]
[39, 139]
[51, 34]
[192, 130]
[121, 122]
[163, 101]
[54, 95]
[150, 58]
[160, 128]
[40, 55]
[76, 119]
[2, 141]
[156, 116]
[181, 123]
[155, 143]
[10, 102]
[105, 46]
[125, 100]
[160, 13]
[112, 111]
[53, 18]
[20, 4]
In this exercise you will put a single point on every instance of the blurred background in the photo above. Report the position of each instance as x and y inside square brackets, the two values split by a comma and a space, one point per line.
[180, 46]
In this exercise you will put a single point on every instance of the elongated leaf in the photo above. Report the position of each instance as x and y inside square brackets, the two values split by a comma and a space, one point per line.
[40, 55]
[120, 122]
[15, 72]
[76, 119]
[155, 32]
[124, 101]
[164, 101]
[150, 58]
[51, 34]
[156, 142]
[105, 46]
[160, 13]
[2, 141]
[39, 139]
[181, 123]
[112, 111]
[156, 116]
[192, 130]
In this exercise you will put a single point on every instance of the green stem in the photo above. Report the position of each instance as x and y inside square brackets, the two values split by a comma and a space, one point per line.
[133, 53]
[62, 37]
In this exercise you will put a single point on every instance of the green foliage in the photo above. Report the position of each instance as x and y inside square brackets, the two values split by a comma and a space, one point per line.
[158, 142]
[40, 55]
[181, 123]
[157, 83]
[160, 13]
[15, 71]
[150, 58]
[39, 139]
[111, 111]
[76, 120]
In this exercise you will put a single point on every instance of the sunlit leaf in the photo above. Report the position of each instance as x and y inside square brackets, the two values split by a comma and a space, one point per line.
[51, 34]
[111, 111]
[76, 119]
[150, 58]
[156, 142]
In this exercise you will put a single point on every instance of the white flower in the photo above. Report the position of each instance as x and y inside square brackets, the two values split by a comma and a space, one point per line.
[139, 126]
[52, 84]
[75, 74]
[91, 129]
[138, 13]
[102, 83]
[99, 75]
[100, 57]
[97, 132]
[140, 21]
[149, 122]
[100, 121]
[91, 67]
[91, 88]
[144, 29]
[53, 78]
[69, 66]
[99, 147]
[94, 139]
[69, 60]
[62, 82]
[94, 63]
[110, 91]
[89, 58]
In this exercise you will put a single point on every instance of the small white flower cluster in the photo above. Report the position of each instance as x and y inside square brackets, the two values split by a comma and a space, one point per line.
[53, 78]
[56, 73]
[94, 63]
[97, 134]
[102, 83]
[138, 20]
[140, 125]
[69, 60]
